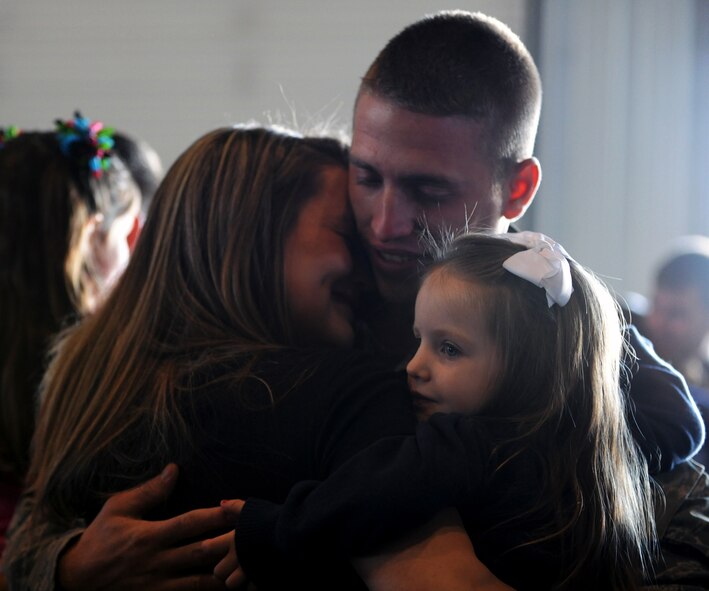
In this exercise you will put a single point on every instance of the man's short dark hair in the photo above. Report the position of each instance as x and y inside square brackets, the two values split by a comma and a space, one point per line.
[456, 63]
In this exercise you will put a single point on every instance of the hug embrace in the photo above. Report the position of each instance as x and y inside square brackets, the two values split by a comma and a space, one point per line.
[226, 347]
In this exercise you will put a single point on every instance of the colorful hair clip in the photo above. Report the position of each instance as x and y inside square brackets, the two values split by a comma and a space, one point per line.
[8, 133]
[88, 142]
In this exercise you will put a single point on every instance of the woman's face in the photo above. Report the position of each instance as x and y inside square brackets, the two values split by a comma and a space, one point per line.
[318, 264]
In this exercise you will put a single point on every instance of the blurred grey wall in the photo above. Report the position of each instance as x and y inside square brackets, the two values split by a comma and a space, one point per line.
[170, 70]
[624, 133]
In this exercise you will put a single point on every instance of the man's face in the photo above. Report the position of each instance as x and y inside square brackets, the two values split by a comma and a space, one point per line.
[408, 170]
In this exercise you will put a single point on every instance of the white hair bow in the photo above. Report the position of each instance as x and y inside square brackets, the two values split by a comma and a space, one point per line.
[544, 263]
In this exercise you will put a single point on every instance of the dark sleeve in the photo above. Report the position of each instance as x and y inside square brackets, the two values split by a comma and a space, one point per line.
[31, 558]
[389, 487]
[664, 419]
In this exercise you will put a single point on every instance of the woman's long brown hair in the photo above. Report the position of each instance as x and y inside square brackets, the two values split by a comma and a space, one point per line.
[204, 285]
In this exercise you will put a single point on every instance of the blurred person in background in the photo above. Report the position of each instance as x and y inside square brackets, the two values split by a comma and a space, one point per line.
[678, 317]
[68, 211]
[678, 320]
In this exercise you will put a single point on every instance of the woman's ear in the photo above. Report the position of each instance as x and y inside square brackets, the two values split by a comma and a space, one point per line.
[522, 184]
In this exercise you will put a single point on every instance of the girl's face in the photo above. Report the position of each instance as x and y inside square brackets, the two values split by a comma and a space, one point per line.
[318, 264]
[457, 364]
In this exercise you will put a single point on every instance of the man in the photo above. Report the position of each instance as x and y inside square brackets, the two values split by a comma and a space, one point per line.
[443, 134]
[442, 160]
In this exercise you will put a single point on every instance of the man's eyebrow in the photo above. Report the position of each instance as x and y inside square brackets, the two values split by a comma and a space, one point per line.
[413, 178]
[427, 179]
[354, 161]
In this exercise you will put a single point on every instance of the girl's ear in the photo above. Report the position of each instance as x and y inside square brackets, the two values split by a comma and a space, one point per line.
[523, 184]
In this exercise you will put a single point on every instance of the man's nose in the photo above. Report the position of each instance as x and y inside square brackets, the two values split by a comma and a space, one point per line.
[393, 216]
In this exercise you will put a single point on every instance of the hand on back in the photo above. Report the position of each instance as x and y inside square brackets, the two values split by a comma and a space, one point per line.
[121, 551]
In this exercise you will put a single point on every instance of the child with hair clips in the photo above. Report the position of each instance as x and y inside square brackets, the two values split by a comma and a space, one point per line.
[525, 433]
[67, 210]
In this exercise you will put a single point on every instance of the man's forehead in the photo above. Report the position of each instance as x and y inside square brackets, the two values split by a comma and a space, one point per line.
[382, 125]
[409, 172]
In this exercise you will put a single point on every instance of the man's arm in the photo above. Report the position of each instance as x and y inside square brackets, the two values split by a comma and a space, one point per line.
[119, 550]
[438, 555]
[664, 418]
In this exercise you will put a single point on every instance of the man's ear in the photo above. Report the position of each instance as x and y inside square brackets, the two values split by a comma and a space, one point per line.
[522, 184]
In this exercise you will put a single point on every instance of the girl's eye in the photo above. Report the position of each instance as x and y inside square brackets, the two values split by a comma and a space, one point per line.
[450, 350]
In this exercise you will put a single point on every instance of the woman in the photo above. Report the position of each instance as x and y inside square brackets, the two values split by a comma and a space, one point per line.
[244, 256]
[64, 229]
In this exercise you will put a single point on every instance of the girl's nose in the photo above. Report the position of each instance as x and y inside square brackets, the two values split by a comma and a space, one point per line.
[417, 368]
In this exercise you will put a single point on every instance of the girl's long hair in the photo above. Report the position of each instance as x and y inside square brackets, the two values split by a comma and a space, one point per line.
[560, 402]
[45, 201]
[204, 286]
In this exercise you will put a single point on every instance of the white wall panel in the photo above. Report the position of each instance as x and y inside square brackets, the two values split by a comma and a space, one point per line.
[616, 139]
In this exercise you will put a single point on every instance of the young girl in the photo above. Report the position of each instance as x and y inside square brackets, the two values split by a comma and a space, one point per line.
[526, 432]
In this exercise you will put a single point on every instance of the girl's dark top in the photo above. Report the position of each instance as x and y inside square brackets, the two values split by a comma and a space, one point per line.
[395, 484]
